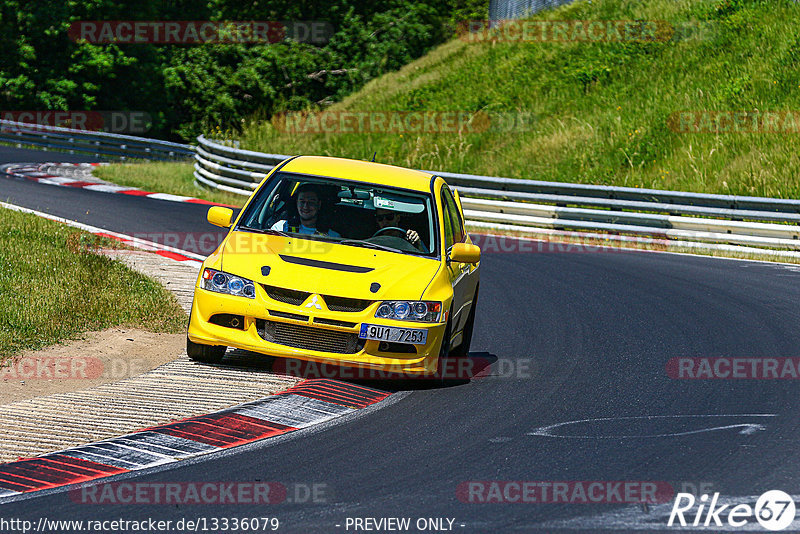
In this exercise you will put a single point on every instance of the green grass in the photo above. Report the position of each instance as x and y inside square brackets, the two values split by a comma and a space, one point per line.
[54, 287]
[164, 177]
[602, 109]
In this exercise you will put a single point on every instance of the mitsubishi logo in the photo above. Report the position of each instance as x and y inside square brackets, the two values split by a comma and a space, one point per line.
[313, 302]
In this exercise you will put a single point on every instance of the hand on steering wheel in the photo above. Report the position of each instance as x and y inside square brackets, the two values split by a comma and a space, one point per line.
[411, 236]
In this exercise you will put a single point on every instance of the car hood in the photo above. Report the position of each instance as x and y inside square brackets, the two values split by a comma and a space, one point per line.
[327, 268]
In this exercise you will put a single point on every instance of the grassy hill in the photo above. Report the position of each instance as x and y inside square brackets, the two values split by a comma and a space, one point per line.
[605, 112]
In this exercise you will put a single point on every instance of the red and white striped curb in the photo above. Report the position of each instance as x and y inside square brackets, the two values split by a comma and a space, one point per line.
[308, 403]
[36, 173]
[135, 242]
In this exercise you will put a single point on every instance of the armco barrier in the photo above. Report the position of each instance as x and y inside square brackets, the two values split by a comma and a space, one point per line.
[533, 206]
[522, 206]
[93, 143]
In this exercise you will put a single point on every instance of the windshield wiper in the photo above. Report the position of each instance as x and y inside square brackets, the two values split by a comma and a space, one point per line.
[269, 231]
[367, 244]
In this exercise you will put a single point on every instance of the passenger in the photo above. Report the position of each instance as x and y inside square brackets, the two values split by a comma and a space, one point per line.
[306, 221]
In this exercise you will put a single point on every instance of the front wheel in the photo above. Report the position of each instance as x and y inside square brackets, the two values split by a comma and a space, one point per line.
[204, 353]
[462, 351]
[444, 352]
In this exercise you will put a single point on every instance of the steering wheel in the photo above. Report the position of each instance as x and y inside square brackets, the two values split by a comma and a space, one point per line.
[389, 229]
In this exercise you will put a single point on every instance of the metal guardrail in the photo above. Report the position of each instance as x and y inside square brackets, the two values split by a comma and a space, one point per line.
[533, 206]
[88, 142]
[514, 9]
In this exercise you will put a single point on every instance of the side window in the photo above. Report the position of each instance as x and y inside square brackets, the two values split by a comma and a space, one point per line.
[454, 217]
[259, 210]
[447, 223]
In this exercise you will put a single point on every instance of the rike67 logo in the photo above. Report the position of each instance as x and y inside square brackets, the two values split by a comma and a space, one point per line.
[774, 510]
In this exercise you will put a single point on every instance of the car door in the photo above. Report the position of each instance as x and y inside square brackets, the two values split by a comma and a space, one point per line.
[463, 288]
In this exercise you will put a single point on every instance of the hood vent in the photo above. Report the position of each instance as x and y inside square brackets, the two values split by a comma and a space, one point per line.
[325, 264]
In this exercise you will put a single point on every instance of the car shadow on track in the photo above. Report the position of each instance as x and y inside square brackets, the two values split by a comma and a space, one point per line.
[455, 371]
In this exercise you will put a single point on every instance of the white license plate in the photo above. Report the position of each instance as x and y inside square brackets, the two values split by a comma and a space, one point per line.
[411, 336]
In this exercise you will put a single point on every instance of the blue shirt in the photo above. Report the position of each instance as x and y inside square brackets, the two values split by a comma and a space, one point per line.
[283, 226]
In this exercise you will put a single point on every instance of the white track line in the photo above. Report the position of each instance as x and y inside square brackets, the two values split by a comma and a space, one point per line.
[127, 239]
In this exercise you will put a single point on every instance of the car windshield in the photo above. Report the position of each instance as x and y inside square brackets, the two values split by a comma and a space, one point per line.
[355, 214]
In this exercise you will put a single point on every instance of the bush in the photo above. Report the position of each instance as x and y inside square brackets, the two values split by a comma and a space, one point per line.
[190, 88]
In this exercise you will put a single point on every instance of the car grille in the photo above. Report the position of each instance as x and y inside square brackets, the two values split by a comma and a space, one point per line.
[287, 296]
[334, 322]
[344, 304]
[287, 315]
[296, 298]
[309, 337]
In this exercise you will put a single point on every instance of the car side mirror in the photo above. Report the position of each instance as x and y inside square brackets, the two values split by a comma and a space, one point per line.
[219, 216]
[465, 253]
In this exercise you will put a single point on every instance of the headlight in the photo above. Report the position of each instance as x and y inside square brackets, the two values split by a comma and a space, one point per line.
[227, 283]
[410, 310]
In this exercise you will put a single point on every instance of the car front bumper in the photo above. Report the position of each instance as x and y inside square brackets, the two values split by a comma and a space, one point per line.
[277, 329]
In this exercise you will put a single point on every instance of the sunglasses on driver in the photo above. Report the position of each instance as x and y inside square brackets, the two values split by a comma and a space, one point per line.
[385, 216]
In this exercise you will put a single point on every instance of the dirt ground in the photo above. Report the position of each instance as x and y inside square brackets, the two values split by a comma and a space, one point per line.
[98, 358]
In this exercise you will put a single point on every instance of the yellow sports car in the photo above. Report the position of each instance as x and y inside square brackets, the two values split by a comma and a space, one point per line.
[343, 262]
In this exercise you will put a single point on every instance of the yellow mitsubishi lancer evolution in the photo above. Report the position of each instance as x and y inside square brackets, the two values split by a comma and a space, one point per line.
[342, 262]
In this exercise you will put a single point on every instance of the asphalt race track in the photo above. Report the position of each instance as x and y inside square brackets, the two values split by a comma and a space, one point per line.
[573, 336]
[127, 214]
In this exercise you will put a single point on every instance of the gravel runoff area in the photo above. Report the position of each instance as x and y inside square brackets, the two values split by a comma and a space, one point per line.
[121, 380]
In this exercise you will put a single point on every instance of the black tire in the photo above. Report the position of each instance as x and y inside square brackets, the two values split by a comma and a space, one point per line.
[205, 353]
[444, 353]
[462, 351]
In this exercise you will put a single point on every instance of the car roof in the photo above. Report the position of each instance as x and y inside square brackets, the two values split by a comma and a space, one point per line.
[361, 171]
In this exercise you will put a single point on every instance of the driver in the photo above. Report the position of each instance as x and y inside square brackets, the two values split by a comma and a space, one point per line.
[388, 218]
[307, 220]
